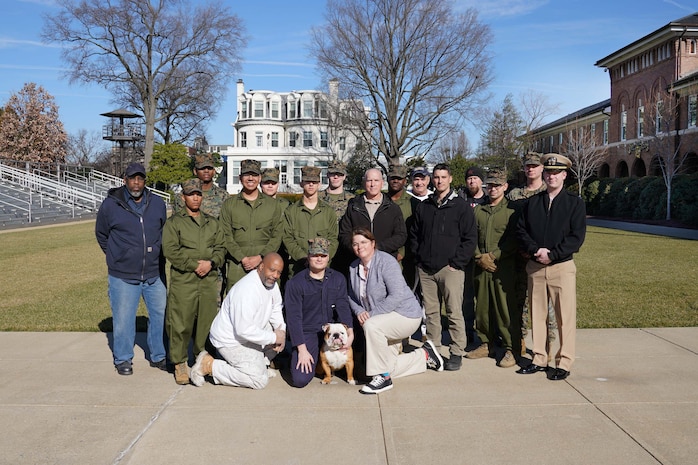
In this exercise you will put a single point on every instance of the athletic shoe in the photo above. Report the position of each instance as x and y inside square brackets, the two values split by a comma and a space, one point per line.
[434, 359]
[378, 384]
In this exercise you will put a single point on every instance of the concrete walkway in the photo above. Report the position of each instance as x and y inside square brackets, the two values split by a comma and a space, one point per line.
[631, 399]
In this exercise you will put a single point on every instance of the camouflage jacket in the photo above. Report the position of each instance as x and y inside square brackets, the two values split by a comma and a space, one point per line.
[521, 193]
[338, 202]
[210, 204]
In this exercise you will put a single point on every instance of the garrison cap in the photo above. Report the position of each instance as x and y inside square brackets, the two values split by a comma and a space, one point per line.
[532, 158]
[555, 161]
[203, 160]
[397, 171]
[310, 173]
[337, 166]
[250, 166]
[192, 185]
[270, 174]
[318, 246]
[496, 176]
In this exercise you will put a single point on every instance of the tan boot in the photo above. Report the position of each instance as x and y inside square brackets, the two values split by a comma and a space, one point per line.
[523, 346]
[202, 367]
[481, 352]
[181, 373]
[508, 360]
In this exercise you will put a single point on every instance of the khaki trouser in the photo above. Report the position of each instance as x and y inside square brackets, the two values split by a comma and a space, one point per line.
[384, 335]
[446, 284]
[557, 283]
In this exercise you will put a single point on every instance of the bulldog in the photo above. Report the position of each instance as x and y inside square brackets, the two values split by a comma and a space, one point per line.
[332, 358]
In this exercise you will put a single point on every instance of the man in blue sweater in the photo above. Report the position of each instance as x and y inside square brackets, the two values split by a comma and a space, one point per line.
[129, 231]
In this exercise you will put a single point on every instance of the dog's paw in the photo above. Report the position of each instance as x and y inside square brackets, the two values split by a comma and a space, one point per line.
[352, 382]
[271, 373]
[327, 381]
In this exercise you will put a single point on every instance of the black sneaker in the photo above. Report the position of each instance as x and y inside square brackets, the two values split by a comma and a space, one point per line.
[434, 359]
[453, 363]
[379, 383]
[124, 368]
[161, 365]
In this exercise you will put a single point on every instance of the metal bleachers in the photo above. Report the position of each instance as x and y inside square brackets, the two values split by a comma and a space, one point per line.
[36, 196]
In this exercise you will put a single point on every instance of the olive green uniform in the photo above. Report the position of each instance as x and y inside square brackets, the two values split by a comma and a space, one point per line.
[251, 228]
[211, 203]
[496, 309]
[191, 302]
[302, 224]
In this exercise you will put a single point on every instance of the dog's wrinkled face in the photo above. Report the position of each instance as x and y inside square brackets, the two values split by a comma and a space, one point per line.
[335, 335]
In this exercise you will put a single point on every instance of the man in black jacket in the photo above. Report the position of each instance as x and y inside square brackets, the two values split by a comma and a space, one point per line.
[443, 238]
[376, 212]
[551, 229]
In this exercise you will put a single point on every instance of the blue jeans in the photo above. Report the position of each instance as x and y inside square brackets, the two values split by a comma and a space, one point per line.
[124, 299]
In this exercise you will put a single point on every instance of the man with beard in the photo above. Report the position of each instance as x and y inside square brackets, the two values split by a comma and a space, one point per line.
[248, 331]
[129, 232]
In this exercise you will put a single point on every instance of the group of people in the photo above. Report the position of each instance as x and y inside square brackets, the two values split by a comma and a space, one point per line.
[253, 275]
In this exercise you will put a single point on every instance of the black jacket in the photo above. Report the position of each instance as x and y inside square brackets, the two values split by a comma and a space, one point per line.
[561, 229]
[388, 225]
[443, 234]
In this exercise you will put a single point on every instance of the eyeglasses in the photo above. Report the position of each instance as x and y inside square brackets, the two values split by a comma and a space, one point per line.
[206, 168]
[335, 175]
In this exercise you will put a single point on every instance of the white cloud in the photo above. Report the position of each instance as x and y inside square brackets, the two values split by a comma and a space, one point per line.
[690, 9]
[499, 8]
[12, 43]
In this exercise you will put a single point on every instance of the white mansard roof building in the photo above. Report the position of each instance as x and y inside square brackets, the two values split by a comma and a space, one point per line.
[288, 130]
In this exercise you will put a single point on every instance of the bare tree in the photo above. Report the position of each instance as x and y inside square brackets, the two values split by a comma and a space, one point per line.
[151, 50]
[418, 64]
[31, 129]
[661, 113]
[585, 155]
[455, 144]
[85, 148]
[534, 108]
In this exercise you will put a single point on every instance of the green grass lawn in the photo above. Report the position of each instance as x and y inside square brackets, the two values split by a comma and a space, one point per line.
[55, 279]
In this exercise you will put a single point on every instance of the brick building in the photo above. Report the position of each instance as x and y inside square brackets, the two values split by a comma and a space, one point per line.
[652, 114]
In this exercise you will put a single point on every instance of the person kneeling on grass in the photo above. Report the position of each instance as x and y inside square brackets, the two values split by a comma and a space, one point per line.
[194, 244]
[389, 312]
[248, 331]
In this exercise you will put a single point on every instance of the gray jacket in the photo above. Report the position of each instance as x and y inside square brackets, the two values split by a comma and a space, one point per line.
[386, 289]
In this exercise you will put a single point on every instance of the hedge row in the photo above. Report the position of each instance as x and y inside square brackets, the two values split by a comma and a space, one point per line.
[643, 198]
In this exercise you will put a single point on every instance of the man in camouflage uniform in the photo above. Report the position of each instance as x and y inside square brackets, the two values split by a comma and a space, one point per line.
[533, 170]
[335, 195]
[252, 223]
[308, 219]
[214, 196]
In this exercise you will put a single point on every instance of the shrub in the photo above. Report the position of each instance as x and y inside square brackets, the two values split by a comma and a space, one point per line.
[652, 204]
[684, 200]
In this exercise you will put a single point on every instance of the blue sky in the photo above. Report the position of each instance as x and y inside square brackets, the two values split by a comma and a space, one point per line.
[549, 46]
